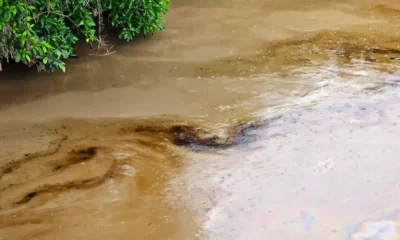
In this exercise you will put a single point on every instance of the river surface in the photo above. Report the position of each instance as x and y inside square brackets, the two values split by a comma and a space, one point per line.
[244, 119]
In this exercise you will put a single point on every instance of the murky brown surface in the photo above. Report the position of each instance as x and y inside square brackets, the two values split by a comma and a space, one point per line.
[242, 120]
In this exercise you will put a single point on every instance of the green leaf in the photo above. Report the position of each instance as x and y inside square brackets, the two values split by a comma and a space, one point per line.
[65, 53]
[13, 10]
[89, 22]
[18, 58]
[62, 67]
[45, 44]
[7, 16]
[52, 36]
[58, 53]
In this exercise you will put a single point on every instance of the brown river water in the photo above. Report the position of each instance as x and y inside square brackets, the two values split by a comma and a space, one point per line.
[244, 119]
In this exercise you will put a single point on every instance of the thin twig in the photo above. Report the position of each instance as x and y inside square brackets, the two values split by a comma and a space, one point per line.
[102, 55]
[56, 13]
[108, 52]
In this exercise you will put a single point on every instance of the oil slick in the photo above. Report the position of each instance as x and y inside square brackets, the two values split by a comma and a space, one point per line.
[279, 122]
[386, 227]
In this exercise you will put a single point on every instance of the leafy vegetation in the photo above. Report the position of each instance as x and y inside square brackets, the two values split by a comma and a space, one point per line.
[44, 32]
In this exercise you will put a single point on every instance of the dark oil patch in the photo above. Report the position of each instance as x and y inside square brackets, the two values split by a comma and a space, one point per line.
[28, 197]
[78, 184]
[13, 165]
[385, 10]
[76, 156]
[197, 138]
[337, 46]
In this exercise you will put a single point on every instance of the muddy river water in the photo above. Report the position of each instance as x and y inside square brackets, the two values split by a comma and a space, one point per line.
[244, 119]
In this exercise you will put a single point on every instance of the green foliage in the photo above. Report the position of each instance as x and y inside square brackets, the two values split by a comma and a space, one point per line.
[44, 32]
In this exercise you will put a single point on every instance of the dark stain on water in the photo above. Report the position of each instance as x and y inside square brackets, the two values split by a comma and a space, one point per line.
[197, 138]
